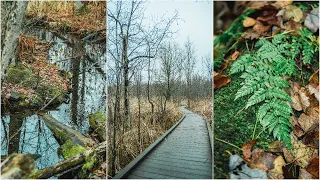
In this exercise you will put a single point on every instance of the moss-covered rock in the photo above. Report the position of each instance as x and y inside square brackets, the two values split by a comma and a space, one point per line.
[69, 149]
[24, 88]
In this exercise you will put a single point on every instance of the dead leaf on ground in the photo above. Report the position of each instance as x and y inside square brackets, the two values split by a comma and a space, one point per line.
[262, 160]
[275, 146]
[314, 89]
[314, 78]
[313, 167]
[269, 16]
[311, 138]
[298, 131]
[220, 80]
[302, 153]
[306, 121]
[304, 98]
[256, 5]
[283, 3]
[287, 155]
[312, 20]
[296, 103]
[303, 174]
[248, 22]
[293, 26]
[293, 12]
[235, 55]
[246, 150]
[295, 86]
[278, 164]
[250, 35]
[260, 28]
[273, 175]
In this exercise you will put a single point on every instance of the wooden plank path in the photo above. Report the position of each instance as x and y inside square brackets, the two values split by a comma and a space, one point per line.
[184, 152]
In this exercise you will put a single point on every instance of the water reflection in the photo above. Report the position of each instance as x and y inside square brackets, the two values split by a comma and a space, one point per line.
[27, 133]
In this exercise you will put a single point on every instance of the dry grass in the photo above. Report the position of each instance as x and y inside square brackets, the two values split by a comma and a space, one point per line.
[63, 13]
[128, 143]
[203, 107]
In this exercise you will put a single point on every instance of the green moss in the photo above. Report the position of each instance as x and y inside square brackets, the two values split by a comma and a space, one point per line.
[91, 161]
[98, 116]
[20, 74]
[69, 149]
[233, 124]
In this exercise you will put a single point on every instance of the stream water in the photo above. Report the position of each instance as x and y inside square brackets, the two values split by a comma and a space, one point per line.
[26, 132]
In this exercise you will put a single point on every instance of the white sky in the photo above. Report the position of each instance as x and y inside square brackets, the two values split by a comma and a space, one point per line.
[197, 22]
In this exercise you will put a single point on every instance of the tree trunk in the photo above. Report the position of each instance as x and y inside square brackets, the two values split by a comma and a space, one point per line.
[126, 82]
[12, 14]
[148, 89]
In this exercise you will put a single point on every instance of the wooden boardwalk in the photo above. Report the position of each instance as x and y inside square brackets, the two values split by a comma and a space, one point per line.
[184, 152]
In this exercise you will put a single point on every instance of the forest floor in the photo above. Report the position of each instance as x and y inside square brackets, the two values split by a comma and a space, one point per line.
[270, 45]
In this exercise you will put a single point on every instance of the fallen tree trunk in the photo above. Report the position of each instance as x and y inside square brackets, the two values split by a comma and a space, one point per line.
[64, 133]
[71, 163]
[17, 166]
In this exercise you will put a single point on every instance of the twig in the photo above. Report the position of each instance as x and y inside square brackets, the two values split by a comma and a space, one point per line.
[228, 143]
[49, 102]
[69, 58]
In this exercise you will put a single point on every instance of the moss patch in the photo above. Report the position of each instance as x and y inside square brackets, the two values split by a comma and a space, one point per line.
[69, 149]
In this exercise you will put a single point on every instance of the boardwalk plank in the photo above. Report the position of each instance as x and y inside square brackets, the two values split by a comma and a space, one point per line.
[184, 153]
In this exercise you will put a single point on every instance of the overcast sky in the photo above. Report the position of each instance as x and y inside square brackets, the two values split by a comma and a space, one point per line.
[197, 22]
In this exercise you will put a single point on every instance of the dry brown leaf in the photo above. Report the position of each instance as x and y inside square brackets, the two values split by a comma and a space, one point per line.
[314, 78]
[287, 155]
[273, 175]
[311, 138]
[295, 86]
[306, 121]
[304, 98]
[275, 146]
[293, 26]
[260, 28]
[283, 3]
[314, 89]
[248, 22]
[278, 163]
[262, 160]
[220, 80]
[256, 5]
[250, 35]
[313, 167]
[246, 150]
[293, 12]
[298, 131]
[296, 104]
[303, 174]
[302, 153]
[235, 55]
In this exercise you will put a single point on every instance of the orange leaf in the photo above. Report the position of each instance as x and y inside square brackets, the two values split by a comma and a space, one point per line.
[246, 150]
[220, 80]
[248, 22]
[235, 55]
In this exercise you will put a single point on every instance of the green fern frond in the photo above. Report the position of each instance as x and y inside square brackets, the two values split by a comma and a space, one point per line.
[263, 79]
[241, 64]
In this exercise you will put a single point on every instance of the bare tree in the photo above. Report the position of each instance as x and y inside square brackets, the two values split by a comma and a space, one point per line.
[130, 43]
[170, 57]
[189, 64]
